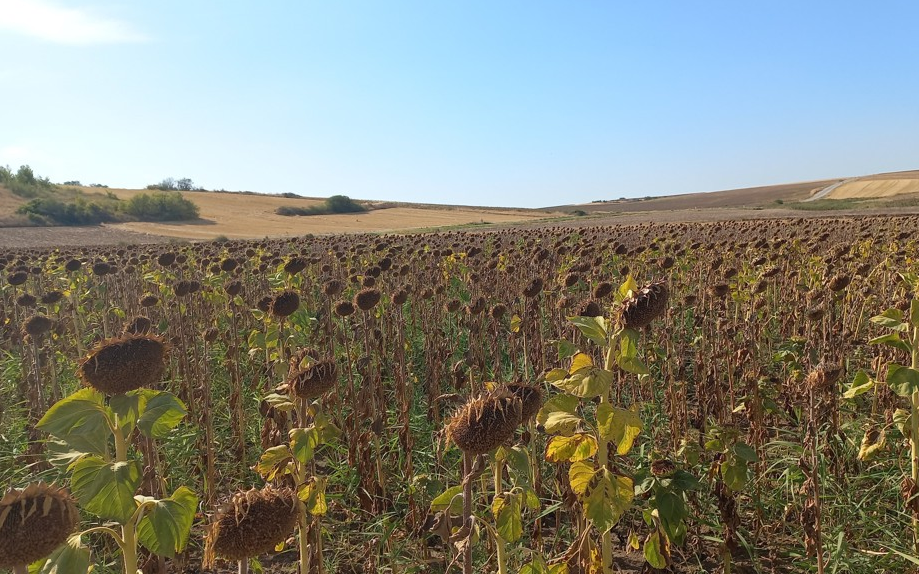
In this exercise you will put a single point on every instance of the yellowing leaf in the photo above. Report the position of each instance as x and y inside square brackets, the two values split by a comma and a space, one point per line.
[580, 361]
[657, 549]
[861, 384]
[313, 496]
[628, 287]
[577, 447]
[902, 419]
[556, 375]
[506, 510]
[872, 442]
[274, 462]
[621, 426]
[587, 383]
[579, 476]
[633, 542]
[451, 499]
[609, 500]
[561, 423]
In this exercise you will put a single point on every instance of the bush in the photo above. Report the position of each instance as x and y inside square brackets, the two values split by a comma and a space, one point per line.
[291, 210]
[24, 182]
[334, 204]
[80, 212]
[343, 204]
[161, 207]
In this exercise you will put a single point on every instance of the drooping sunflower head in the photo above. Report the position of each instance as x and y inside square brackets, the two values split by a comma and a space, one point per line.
[33, 522]
[649, 303]
[251, 523]
[486, 422]
[124, 364]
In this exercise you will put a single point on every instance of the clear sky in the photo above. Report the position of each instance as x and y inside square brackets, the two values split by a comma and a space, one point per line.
[499, 102]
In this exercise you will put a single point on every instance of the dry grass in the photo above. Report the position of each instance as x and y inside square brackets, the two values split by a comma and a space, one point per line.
[239, 216]
[878, 187]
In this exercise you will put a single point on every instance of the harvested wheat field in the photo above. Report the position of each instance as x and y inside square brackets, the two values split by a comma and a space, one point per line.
[881, 185]
[241, 216]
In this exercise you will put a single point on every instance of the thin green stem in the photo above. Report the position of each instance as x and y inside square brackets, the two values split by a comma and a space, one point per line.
[499, 541]
[111, 532]
[914, 432]
[606, 539]
[129, 548]
[467, 511]
[121, 443]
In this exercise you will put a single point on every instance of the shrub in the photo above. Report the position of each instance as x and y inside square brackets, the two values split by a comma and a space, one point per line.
[334, 204]
[161, 207]
[80, 212]
[343, 204]
[24, 182]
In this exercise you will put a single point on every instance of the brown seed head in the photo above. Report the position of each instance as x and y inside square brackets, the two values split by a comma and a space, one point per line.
[233, 288]
[603, 289]
[824, 375]
[530, 397]
[149, 300]
[119, 365]
[138, 326]
[344, 308]
[285, 304]
[483, 424]
[533, 288]
[313, 381]
[839, 282]
[37, 325]
[33, 522]
[252, 523]
[51, 297]
[645, 306]
[366, 299]
[333, 287]
[295, 265]
[26, 300]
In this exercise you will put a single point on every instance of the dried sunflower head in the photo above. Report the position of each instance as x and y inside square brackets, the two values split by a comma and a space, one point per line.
[33, 522]
[251, 523]
[123, 364]
[484, 423]
[645, 306]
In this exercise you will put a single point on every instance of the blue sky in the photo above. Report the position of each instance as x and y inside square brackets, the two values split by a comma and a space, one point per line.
[508, 102]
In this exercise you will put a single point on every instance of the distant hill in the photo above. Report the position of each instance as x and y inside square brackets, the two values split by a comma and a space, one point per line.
[880, 185]
[871, 186]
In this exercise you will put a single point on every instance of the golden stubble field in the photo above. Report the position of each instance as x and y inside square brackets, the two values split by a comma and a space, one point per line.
[239, 216]
[881, 185]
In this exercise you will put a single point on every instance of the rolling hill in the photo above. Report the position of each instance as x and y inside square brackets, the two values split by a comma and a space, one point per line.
[884, 185]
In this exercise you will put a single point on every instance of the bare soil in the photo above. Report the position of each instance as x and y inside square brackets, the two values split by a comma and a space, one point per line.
[44, 237]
